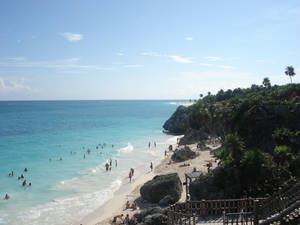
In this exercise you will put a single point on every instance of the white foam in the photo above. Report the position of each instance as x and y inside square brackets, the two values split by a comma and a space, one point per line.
[127, 149]
[65, 210]
[173, 139]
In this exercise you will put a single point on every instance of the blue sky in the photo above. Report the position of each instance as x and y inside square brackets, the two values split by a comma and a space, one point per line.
[158, 49]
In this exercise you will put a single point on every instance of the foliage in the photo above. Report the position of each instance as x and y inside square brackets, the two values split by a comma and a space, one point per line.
[289, 71]
[260, 130]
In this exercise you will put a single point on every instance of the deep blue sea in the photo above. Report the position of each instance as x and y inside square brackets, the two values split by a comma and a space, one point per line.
[52, 139]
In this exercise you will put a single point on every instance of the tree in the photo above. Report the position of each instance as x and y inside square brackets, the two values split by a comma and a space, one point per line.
[289, 71]
[201, 95]
[266, 82]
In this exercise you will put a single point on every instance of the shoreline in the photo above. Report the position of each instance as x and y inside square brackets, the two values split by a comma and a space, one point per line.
[124, 193]
[130, 191]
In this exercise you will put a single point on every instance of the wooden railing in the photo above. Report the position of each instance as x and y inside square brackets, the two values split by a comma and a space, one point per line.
[190, 212]
[279, 205]
[237, 211]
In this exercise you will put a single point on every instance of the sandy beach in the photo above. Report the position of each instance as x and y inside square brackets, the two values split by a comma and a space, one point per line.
[131, 191]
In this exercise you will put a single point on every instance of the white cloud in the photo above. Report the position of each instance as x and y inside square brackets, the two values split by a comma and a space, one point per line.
[179, 59]
[72, 60]
[213, 58]
[206, 64]
[120, 53]
[189, 38]
[16, 59]
[72, 37]
[133, 66]
[70, 63]
[226, 67]
[151, 54]
[265, 61]
[13, 85]
[192, 84]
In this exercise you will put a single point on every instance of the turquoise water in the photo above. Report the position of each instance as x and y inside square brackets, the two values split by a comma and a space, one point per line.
[35, 135]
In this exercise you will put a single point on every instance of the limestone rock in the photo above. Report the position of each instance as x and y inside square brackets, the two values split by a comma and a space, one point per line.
[160, 186]
[183, 154]
[179, 121]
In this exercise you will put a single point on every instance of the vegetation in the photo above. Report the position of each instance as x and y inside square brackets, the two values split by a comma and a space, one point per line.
[260, 132]
[289, 71]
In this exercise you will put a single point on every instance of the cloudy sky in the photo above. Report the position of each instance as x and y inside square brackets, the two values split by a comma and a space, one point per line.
[138, 49]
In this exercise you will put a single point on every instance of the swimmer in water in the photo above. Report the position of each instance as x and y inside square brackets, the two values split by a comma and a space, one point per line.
[24, 183]
[25, 170]
[6, 197]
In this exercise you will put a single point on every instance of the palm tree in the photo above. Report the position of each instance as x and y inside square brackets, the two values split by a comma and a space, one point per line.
[266, 82]
[289, 71]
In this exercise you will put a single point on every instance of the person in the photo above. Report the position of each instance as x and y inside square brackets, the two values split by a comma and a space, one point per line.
[60, 159]
[151, 166]
[106, 166]
[133, 206]
[165, 152]
[110, 161]
[170, 147]
[22, 177]
[126, 220]
[109, 168]
[112, 145]
[116, 163]
[83, 156]
[88, 151]
[24, 183]
[149, 144]
[25, 170]
[132, 171]
[29, 184]
[130, 176]
[154, 144]
[6, 197]
[127, 206]
[116, 218]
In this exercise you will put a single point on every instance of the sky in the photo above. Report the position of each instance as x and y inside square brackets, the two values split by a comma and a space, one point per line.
[144, 49]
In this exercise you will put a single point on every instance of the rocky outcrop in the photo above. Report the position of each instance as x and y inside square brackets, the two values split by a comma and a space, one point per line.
[160, 186]
[156, 219]
[167, 200]
[183, 154]
[224, 184]
[179, 121]
[152, 216]
[192, 136]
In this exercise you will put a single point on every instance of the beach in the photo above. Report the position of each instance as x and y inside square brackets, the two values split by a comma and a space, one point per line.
[131, 191]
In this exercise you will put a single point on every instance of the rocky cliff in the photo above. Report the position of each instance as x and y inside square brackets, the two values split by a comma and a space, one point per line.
[179, 121]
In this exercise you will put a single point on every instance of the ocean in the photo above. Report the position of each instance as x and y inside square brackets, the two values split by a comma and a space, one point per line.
[65, 146]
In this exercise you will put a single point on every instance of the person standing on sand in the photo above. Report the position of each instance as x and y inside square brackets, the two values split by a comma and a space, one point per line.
[106, 166]
[149, 144]
[151, 166]
[130, 176]
[154, 144]
[116, 163]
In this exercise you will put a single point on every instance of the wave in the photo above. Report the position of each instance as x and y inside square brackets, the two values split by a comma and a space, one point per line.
[65, 210]
[127, 149]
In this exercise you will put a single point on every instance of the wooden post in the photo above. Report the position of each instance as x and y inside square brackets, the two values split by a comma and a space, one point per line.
[255, 209]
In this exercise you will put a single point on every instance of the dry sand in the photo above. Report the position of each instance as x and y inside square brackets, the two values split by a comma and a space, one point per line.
[131, 191]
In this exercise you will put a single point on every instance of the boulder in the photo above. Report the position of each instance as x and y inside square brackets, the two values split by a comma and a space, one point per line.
[167, 200]
[156, 219]
[191, 136]
[160, 186]
[149, 211]
[183, 154]
[179, 121]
